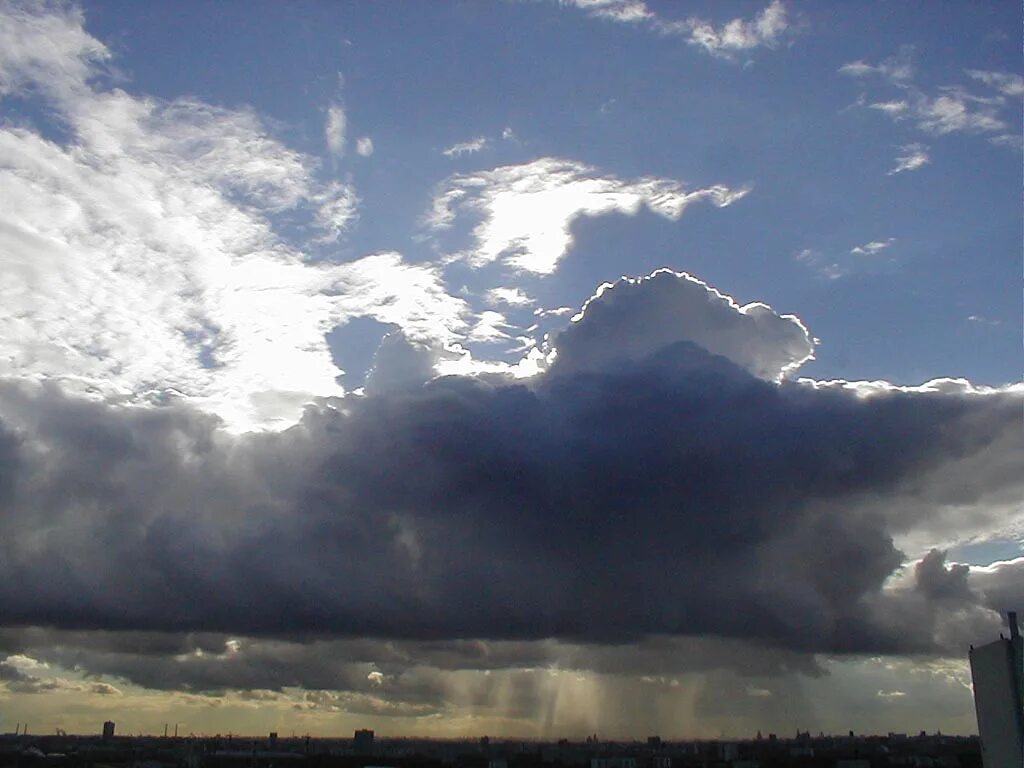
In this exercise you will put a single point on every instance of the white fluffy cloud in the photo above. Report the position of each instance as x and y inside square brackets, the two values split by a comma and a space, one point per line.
[512, 297]
[630, 319]
[526, 211]
[141, 259]
[364, 146]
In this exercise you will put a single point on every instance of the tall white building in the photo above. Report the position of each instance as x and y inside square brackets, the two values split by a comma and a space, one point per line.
[997, 670]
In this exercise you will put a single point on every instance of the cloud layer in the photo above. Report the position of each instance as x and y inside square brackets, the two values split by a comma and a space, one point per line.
[737, 506]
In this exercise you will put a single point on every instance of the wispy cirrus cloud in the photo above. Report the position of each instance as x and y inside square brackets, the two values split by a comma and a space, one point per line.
[468, 147]
[947, 109]
[525, 212]
[911, 157]
[1007, 83]
[833, 263]
[335, 129]
[872, 247]
[897, 69]
[766, 29]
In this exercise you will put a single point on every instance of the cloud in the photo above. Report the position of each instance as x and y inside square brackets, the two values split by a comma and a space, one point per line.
[897, 69]
[1007, 83]
[364, 146]
[829, 269]
[51, 50]
[629, 11]
[891, 694]
[20, 673]
[767, 29]
[891, 108]
[512, 297]
[911, 157]
[875, 246]
[949, 109]
[103, 689]
[954, 113]
[631, 319]
[334, 130]
[1010, 140]
[470, 147]
[1001, 584]
[405, 671]
[455, 509]
[143, 260]
[526, 211]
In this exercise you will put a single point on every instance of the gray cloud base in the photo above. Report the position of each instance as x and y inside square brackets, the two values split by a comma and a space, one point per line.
[679, 495]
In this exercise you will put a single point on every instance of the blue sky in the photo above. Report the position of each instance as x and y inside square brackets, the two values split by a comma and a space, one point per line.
[632, 102]
[322, 271]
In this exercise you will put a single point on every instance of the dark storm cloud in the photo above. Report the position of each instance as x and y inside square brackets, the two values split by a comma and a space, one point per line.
[678, 495]
[648, 487]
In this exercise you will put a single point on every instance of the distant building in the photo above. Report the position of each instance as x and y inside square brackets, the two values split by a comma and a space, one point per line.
[997, 670]
[108, 729]
[362, 742]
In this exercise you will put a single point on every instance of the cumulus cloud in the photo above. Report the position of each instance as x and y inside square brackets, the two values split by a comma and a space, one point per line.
[526, 212]
[479, 507]
[455, 509]
[434, 544]
[766, 29]
[626, 321]
[364, 146]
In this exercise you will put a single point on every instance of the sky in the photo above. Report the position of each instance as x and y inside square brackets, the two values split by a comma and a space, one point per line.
[520, 368]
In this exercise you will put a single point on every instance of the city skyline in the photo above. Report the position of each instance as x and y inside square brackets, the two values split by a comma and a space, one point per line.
[517, 368]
